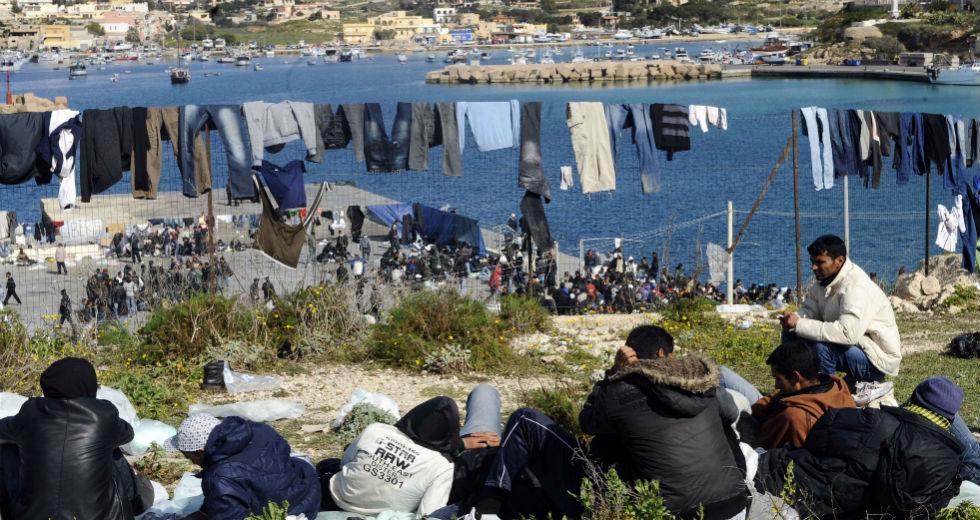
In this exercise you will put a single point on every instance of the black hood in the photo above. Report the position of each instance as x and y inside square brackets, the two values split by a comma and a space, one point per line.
[434, 424]
[683, 384]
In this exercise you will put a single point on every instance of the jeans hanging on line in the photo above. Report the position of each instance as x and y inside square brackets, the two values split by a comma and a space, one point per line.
[381, 153]
[452, 152]
[228, 121]
[910, 156]
[530, 174]
[845, 136]
[821, 158]
[637, 117]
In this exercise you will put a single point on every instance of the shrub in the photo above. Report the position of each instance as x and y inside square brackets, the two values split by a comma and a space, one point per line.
[917, 37]
[160, 392]
[524, 315]
[607, 497]
[156, 466]
[272, 511]
[887, 46]
[424, 323]
[325, 319]
[23, 357]
[187, 329]
[562, 401]
[360, 417]
[964, 511]
[965, 297]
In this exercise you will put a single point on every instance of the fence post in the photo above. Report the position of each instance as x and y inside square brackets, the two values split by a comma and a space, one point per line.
[796, 203]
[928, 211]
[847, 219]
[213, 274]
[730, 289]
[581, 253]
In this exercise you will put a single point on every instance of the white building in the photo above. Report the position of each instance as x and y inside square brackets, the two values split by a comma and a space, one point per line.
[445, 15]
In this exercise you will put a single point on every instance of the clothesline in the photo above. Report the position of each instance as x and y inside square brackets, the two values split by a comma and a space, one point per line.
[877, 215]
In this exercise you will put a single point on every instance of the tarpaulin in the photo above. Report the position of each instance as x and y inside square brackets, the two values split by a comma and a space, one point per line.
[441, 227]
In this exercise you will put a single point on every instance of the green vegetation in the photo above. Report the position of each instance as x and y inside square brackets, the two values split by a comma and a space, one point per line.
[360, 417]
[157, 466]
[272, 511]
[607, 497]
[966, 298]
[95, 29]
[964, 511]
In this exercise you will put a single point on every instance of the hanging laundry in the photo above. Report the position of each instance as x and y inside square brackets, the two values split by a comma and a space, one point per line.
[593, 150]
[702, 115]
[282, 242]
[452, 150]
[671, 131]
[56, 152]
[495, 125]
[106, 149]
[637, 118]
[381, 153]
[332, 130]
[872, 152]
[845, 130]
[285, 183]
[971, 218]
[937, 140]
[163, 124]
[567, 181]
[424, 134]
[910, 155]
[353, 113]
[888, 128]
[951, 224]
[954, 169]
[272, 125]
[816, 126]
[532, 211]
[356, 217]
[530, 175]
[19, 136]
[227, 120]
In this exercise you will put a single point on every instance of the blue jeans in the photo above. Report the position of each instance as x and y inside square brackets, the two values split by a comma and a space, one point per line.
[732, 381]
[849, 359]
[384, 154]
[971, 450]
[482, 411]
[228, 121]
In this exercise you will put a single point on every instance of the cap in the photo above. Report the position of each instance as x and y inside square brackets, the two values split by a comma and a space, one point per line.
[193, 433]
[940, 395]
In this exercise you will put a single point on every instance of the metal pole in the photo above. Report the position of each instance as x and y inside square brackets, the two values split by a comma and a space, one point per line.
[928, 211]
[730, 289]
[796, 204]
[847, 218]
[581, 253]
[213, 283]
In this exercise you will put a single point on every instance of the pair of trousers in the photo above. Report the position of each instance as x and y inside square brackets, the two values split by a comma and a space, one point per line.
[11, 294]
[533, 442]
[637, 117]
[821, 157]
[730, 380]
[62, 268]
[354, 114]
[849, 359]
[530, 175]
[384, 154]
[423, 135]
[164, 124]
[910, 147]
[971, 450]
[228, 121]
[452, 151]
[482, 411]
[593, 149]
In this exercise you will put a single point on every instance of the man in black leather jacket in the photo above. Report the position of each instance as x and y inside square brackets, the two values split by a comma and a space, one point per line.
[67, 443]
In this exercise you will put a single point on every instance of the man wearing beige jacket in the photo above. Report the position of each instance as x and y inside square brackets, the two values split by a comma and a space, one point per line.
[848, 320]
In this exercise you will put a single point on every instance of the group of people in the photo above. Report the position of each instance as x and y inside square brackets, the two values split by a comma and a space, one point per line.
[657, 415]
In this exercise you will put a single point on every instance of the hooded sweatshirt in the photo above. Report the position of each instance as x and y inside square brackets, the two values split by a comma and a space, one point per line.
[406, 467]
[660, 419]
[787, 418]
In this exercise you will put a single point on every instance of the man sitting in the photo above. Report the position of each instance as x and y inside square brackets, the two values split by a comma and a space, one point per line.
[654, 416]
[849, 321]
[802, 396]
[245, 465]
[67, 451]
[893, 462]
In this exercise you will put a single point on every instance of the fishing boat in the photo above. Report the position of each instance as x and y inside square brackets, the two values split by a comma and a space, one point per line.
[257, 66]
[402, 58]
[203, 57]
[243, 60]
[680, 54]
[226, 59]
[178, 76]
[773, 59]
[331, 56]
[967, 74]
[431, 58]
[77, 70]
[346, 56]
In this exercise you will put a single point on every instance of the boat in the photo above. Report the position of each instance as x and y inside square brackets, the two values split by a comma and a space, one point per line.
[346, 56]
[178, 76]
[77, 70]
[623, 34]
[773, 59]
[680, 54]
[517, 59]
[967, 74]
[242, 60]
[620, 54]
[257, 66]
[773, 44]
[209, 74]
[207, 43]
[269, 53]
[331, 56]
[579, 56]
[402, 58]
[485, 55]
[708, 56]
[431, 58]
[530, 54]
[219, 44]
[456, 56]
[226, 59]
[546, 59]
[203, 57]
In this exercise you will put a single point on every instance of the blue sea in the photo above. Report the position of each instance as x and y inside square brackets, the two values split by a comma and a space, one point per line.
[887, 227]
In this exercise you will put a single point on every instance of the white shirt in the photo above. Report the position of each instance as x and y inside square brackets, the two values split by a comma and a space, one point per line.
[951, 223]
[384, 470]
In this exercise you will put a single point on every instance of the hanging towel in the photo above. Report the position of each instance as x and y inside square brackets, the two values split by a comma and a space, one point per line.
[567, 181]
[285, 183]
[951, 224]
[275, 124]
[591, 143]
[718, 117]
[530, 175]
[671, 131]
[495, 125]
[282, 242]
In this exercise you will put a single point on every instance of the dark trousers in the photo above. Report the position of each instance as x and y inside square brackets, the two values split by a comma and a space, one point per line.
[62, 268]
[11, 293]
[384, 154]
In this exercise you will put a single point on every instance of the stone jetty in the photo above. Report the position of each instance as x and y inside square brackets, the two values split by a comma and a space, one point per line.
[591, 71]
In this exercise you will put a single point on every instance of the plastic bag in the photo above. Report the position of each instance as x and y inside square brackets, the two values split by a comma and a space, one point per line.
[360, 396]
[188, 498]
[10, 404]
[145, 433]
[240, 382]
[258, 411]
[969, 492]
[126, 410]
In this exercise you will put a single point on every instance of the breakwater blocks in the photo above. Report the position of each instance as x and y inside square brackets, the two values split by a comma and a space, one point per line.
[574, 72]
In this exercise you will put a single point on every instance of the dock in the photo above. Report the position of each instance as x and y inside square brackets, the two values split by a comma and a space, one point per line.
[875, 72]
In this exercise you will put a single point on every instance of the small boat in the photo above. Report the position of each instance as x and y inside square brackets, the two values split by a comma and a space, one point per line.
[964, 75]
[485, 55]
[203, 57]
[178, 76]
[243, 60]
[311, 62]
[257, 66]
[402, 58]
[226, 59]
[774, 59]
[431, 58]
[270, 53]
[530, 54]
[210, 74]
[346, 56]
[680, 54]
[77, 70]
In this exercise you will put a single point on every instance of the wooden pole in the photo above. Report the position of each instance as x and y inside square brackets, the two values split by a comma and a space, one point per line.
[213, 282]
[796, 204]
[730, 290]
[928, 212]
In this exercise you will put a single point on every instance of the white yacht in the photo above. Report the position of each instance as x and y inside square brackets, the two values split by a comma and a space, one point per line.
[967, 74]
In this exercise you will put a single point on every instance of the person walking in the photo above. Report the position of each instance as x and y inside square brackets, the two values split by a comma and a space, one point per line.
[64, 309]
[11, 290]
[60, 254]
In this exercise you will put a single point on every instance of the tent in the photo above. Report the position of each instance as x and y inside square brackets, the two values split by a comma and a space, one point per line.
[441, 227]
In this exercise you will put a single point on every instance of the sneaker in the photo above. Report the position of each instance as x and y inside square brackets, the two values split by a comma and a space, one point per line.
[867, 391]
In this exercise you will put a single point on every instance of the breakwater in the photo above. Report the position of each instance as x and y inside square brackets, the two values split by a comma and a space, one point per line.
[590, 71]
[595, 71]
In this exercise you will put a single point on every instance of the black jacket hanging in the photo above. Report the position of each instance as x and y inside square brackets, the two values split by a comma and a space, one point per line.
[107, 144]
[19, 136]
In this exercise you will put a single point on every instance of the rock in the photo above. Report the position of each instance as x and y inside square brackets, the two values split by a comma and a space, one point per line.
[953, 310]
[859, 34]
[902, 306]
[930, 286]
[945, 294]
[909, 286]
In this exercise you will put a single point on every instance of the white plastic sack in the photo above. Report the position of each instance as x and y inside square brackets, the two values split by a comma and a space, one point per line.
[188, 499]
[718, 259]
[969, 492]
[258, 411]
[10, 403]
[127, 411]
[362, 396]
[145, 433]
[384, 515]
[240, 382]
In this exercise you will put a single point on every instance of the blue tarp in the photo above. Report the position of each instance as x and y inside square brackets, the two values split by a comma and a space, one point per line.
[441, 227]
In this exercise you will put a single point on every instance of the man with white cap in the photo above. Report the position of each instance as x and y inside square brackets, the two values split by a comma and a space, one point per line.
[246, 465]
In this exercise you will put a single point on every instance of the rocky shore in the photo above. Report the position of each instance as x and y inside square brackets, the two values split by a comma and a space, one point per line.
[592, 71]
